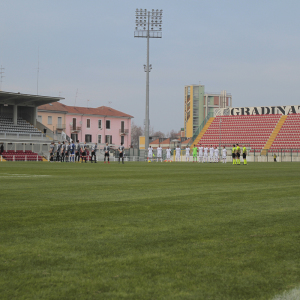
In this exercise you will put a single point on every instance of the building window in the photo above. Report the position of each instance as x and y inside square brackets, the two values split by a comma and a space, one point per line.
[88, 123]
[107, 124]
[88, 138]
[122, 139]
[99, 124]
[49, 120]
[99, 139]
[74, 124]
[40, 119]
[108, 139]
[122, 126]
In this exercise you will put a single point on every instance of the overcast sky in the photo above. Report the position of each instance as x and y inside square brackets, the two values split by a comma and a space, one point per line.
[249, 48]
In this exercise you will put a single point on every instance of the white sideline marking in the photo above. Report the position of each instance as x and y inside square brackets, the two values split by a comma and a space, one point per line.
[289, 295]
[5, 175]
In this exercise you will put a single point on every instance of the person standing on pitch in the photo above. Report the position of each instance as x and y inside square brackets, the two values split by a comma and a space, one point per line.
[72, 152]
[94, 150]
[233, 155]
[178, 150]
[238, 154]
[168, 154]
[106, 152]
[216, 152]
[211, 153]
[195, 151]
[51, 151]
[245, 155]
[77, 151]
[150, 153]
[200, 153]
[62, 152]
[187, 153]
[121, 153]
[205, 154]
[224, 155]
[58, 150]
[159, 153]
[67, 153]
[83, 153]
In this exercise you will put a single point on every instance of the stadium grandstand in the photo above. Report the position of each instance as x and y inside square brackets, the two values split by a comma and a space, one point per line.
[20, 139]
[261, 129]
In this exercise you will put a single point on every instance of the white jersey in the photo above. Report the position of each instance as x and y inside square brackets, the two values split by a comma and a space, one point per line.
[178, 151]
[200, 151]
[205, 151]
[211, 151]
[224, 153]
[216, 152]
[150, 149]
[168, 153]
[187, 151]
[159, 151]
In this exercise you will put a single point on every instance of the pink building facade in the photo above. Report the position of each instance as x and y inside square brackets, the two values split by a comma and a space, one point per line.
[91, 125]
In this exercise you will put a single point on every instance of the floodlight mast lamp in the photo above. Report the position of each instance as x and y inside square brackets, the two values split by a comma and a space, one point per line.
[148, 24]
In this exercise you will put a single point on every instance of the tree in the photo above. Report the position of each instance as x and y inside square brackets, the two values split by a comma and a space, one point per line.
[136, 132]
[159, 134]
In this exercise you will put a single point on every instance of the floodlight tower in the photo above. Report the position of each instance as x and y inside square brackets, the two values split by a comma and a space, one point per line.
[148, 24]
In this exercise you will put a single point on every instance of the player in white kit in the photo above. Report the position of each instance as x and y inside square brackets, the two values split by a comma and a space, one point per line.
[177, 157]
[187, 153]
[159, 153]
[211, 153]
[150, 153]
[200, 153]
[168, 154]
[224, 155]
[216, 154]
[205, 154]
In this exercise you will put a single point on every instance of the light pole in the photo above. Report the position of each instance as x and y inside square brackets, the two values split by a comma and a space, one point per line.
[148, 24]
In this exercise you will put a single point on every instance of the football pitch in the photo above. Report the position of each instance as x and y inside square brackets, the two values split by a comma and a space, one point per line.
[149, 230]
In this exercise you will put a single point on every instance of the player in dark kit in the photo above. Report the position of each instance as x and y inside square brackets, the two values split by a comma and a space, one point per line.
[83, 153]
[58, 150]
[51, 151]
[94, 150]
[121, 153]
[63, 149]
[77, 151]
[106, 153]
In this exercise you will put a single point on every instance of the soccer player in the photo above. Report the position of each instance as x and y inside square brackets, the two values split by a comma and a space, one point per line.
[238, 154]
[58, 150]
[63, 149]
[68, 147]
[83, 153]
[245, 155]
[168, 154]
[121, 153]
[224, 155]
[195, 150]
[187, 153]
[159, 153]
[150, 153]
[77, 151]
[200, 153]
[106, 153]
[216, 155]
[94, 150]
[233, 155]
[211, 153]
[178, 150]
[205, 154]
[51, 151]
[72, 152]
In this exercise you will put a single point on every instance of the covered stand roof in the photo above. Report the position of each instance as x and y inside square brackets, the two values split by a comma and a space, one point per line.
[9, 98]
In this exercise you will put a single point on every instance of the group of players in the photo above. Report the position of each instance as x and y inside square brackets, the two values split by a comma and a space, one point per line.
[200, 154]
[70, 152]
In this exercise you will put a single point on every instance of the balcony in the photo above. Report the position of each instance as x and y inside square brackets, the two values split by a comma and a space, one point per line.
[75, 128]
[123, 131]
[60, 126]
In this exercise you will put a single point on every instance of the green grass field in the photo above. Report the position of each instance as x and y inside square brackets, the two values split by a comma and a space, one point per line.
[149, 231]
